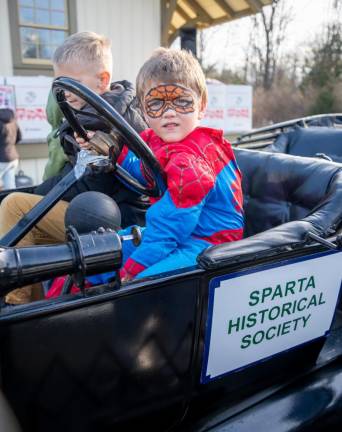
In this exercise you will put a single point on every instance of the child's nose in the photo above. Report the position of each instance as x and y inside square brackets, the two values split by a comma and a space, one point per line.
[169, 111]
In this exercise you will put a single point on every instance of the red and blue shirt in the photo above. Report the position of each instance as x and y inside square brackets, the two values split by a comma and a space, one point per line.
[203, 199]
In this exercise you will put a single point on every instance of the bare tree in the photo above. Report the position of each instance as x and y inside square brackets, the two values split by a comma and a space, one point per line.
[323, 66]
[207, 40]
[204, 40]
[266, 38]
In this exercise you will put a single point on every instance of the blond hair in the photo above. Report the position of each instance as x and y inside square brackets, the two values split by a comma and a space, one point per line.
[85, 48]
[168, 65]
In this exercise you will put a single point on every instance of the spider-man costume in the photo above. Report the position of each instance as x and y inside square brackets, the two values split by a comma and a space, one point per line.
[202, 205]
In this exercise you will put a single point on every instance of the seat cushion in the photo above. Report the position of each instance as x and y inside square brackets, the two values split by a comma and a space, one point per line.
[280, 188]
[285, 197]
[311, 142]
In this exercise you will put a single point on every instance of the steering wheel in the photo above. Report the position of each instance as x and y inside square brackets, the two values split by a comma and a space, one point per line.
[106, 113]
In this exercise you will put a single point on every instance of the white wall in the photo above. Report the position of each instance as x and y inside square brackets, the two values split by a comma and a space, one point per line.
[6, 66]
[132, 25]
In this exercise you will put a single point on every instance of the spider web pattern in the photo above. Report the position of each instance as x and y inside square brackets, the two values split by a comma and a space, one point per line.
[189, 180]
[192, 164]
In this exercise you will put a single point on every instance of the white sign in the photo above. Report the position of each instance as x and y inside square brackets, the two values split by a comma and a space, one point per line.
[31, 95]
[215, 113]
[229, 107]
[7, 97]
[238, 108]
[262, 313]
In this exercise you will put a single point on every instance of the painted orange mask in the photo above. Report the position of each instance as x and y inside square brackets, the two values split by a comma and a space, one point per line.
[163, 97]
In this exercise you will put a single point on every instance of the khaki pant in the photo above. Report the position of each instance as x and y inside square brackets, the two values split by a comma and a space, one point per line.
[48, 230]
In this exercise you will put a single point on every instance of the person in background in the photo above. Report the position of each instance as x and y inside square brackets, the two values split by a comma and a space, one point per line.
[9, 158]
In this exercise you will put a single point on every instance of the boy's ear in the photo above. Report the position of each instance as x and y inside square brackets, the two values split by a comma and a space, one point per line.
[104, 81]
[202, 109]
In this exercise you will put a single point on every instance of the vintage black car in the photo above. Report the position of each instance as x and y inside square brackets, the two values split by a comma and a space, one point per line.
[249, 339]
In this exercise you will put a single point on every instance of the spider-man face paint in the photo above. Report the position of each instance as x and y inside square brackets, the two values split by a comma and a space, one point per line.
[163, 97]
[172, 111]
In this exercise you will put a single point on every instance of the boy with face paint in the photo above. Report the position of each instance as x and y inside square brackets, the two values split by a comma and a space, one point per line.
[202, 205]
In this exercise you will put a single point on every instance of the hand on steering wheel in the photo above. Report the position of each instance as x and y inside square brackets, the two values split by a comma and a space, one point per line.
[102, 143]
[111, 117]
[83, 143]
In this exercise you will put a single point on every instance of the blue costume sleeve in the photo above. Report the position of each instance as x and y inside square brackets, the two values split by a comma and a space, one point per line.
[168, 226]
[171, 221]
[132, 164]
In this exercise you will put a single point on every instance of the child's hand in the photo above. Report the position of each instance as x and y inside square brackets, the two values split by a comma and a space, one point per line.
[101, 143]
[125, 276]
[126, 279]
[82, 142]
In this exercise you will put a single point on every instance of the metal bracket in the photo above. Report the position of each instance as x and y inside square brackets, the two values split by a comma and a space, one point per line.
[85, 158]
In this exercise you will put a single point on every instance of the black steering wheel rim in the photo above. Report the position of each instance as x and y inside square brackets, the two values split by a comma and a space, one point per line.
[131, 137]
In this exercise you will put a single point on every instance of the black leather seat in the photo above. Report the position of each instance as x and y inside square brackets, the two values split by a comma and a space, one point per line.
[312, 141]
[285, 197]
